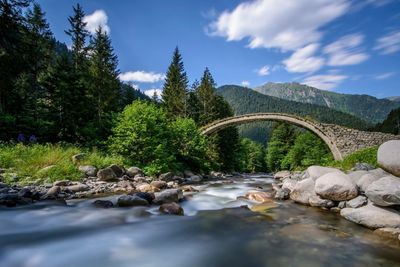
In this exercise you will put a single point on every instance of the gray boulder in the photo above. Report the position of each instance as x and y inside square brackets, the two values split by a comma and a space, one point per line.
[188, 173]
[118, 170]
[168, 176]
[372, 216]
[315, 172]
[131, 201]
[366, 180]
[133, 171]
[106, 175]
[282, 175]
[88, 170]
[317, 201]
[389, 156]
[168, 196]
[194, 179]
[385, 191]
[356, 175]
[336, 186]
[78, 188]
[303, 190]
[289, 184]
[282, 194]
[357, 202]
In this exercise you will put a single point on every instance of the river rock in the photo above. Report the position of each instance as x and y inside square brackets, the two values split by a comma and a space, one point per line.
[103, 204]
[356, 175]
[258, 196]
[78, 188]
[390, 233]
[144, 187]
[133, 171]
[168, 196]
[282, 194]
[171, 208]
[145, 195]
[88, 170]
[357, 202]
[317, 201]
[78, 157]
[315, 172]
[372, 216]
[131, 200]
[362, 167]
[194, 179]
[385, 191]
[159, 184]
[366, 180]
[52, 192]
[62, 183]
[282, 175]
[106, 174]
[168, 176]
[188, 173]
[118, 170]
[302, 191]
[336, 186]
[389, 157]
[289, 184]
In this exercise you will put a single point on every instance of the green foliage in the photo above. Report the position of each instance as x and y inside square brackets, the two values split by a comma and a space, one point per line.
[366, 155]
[391, 124]
[251, 156]
[48, 163]
[308, 149]
[368, 108]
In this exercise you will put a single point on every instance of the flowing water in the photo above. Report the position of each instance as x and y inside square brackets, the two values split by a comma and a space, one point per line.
[215, 231]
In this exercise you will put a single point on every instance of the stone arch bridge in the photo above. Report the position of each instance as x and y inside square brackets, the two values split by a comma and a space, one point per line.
[340, 140]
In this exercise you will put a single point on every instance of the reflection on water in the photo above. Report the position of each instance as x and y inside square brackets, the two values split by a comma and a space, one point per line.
[217, 231]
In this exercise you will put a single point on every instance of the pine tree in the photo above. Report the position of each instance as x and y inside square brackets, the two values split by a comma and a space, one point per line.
[175, 91]
[154, 97]
[206, 95]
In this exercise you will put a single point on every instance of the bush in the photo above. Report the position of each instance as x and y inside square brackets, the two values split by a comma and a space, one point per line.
[366, 155]
[251, 156]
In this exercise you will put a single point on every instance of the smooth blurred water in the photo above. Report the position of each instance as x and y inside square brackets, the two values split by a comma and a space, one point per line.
[215, 231]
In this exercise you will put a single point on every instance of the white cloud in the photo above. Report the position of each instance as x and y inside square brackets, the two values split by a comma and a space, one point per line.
[264, 70]
[245, 83]
[346, 51]
[96, 19]
[141, 76]
[303, 60]
[384, 76]
[286, 25]
[150, 92]
[325, 82]
[388, 44]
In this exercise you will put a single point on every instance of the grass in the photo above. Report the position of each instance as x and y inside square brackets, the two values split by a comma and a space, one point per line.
[46, 163]
[366, 155]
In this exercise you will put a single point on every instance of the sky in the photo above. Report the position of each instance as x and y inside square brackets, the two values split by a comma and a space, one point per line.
[345, 46]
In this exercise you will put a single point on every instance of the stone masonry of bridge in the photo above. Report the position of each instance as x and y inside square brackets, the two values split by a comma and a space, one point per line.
[341, 140]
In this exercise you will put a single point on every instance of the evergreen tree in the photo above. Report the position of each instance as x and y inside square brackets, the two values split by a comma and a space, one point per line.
[194, 108]
[206, 97]
[175, 91]
[154, 97]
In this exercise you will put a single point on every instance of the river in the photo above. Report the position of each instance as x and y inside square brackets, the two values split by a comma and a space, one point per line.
[215, 231]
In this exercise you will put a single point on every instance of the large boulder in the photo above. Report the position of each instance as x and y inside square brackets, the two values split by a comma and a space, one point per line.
[389, 156]
[282, 175]
[88, 170]
[133, 171]
[385, 191]
[106, 175]
[356, 175]
[372, 216]
[131, 201]
[336, 186]
[118, 170]
[366, 180]
[317, 171]
[303, 190]
[168, 196]
[289, 184]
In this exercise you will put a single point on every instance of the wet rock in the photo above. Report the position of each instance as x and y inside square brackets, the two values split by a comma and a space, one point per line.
[289, 184]
[385, 191]
[263, 207]
[335, 209]
[168, 196]
[188, 188]
[259, 196]
[118, 170]
[78, 188]
[315, 172]
[316, 201]
[148, 196]
[133, 171]
[52, 192]
[159, 184]
[336, 186]
[131, 201]
[362, 167]
[188, 173]
[106, 174]
[282, 194]
[357, 202]
[194, 179]
[372, 216]
[144, 187]
[78, 157]
[356, 175]
[389, 157]
[302, 191]
[282, 175]
[171, 208]
[62, 183]
[342, 205]
[9, 200]
[389, 233]
[25, 193]
[166, 176]
[88, 170]
[106, 204]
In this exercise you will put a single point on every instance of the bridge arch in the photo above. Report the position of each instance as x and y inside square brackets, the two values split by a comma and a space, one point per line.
[308, 124]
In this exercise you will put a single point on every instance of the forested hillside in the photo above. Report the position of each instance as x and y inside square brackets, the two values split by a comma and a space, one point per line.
[244, 100]
[391, 124]
[366, 107]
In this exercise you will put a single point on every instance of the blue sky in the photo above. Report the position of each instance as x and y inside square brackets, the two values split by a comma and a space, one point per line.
[343, 46]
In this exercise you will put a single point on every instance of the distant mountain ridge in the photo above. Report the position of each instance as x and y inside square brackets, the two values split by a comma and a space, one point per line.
[394, 98]
[366, 107]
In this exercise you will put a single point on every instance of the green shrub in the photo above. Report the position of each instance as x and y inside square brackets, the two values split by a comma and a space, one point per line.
[251, 156]
[366, 155]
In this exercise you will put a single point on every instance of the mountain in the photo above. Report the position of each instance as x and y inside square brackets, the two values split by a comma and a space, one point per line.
[394, 98]
[244, 100]
[391, 124]
[367, 107]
